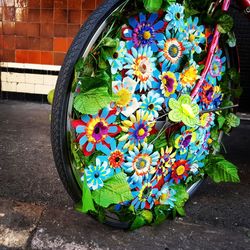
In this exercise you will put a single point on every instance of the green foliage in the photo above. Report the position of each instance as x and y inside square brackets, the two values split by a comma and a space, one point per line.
[160, 142]
[138, 222]
[98, 98]
[181, 197]
[225, 23]
[50, 96]
[152, 5]
[221, 120]
[87, 203]
[161, 212]
[221, 170]
[114, 191]
[232, 120]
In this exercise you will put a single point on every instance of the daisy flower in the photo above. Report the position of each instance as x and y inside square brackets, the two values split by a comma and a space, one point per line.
[166, 196]
[152, 104]
[179, 171]
[141, 66]
[143, 32]
[96, 174]
[174, 16]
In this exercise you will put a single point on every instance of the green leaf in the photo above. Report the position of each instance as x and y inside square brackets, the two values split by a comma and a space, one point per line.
[225, 23]
[189, 11]
[221, 120]
[138, 222]
[232, 120]
[88, 83]
[161, 213]
[98, 98]
[216, 146]
[147, 215]
[231, 41]
[160, 142]
[50, 96]
[214, 133]
[152, 5]
[180, 211]
[221, 170]
[87, 203]
[114, 191]
[110, 42]
[181, 195]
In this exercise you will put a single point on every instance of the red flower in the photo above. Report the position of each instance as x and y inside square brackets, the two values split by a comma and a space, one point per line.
[180, 170]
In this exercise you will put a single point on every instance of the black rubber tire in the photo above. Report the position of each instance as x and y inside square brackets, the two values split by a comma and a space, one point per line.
[62, 93]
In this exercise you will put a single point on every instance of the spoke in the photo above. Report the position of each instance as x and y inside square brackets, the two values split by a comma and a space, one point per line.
[218, 109]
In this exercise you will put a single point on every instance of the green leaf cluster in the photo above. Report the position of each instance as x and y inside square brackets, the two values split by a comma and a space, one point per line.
[144, 217]
[114, 191]
[181, 197]
[221, 170]
[156, 5]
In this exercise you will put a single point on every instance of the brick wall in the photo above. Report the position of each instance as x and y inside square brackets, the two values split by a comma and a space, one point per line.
[40, 31]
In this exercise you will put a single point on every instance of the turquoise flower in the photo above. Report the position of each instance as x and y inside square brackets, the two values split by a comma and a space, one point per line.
[115, 156]
[117, 60]
[152, 104]
[174, 16]
[97, 174]
[140, 163]
[166, 196]
[145, 194]
[172, 47]
[200, 141]
[144, 32]
[141, 66]
[194, 34]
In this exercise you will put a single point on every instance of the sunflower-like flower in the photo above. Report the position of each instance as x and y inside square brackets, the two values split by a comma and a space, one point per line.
[166, 160]
[206, 94]
[93, 131]
[189, 76]
[180, 171]
[184, 110]
[115, 156]
[137, 129]
[117, 60]
[140, 163]
[144, 32]
[174, 16]
[185, 139]
[166, 196]
[194, 34]
[145, 194]
[126, 102]
[152, 104]
[207, 120]
[141, 66]
[173, 47]
[97, 174]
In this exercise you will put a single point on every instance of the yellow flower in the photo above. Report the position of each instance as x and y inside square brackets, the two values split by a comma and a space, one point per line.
[189, 76]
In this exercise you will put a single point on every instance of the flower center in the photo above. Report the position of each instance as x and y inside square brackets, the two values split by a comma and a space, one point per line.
[186, 141]
[178, 15]
[116, 159]
[96, 175]
[180, 170]
[173, 50]
[143, 67]
[141, 132]
[165, 196]
[191, 37]
[115, 55]
[187, 110]
[99, 131]
[151, 106]
[146, 35]
[168, 83]
[124, 97]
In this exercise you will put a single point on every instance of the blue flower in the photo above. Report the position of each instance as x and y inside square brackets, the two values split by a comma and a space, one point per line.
[117, 60]
[115, 156]
[194, 34]
[166, 196]
[152, 104]
[140, 163]
[145, 194]
[174, 16]
[97, 174]
[173, 47]
[144, 32]
[200, 141]
[141, 66]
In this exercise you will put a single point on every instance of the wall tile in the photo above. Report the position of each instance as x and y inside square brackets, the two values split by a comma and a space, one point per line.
[21, 14]
[73, 30]
[85, 15]
[21, 3]
[88, 5]
[47, 30]
[8, 55]
[34, 43]
[74, 4]
[21, 56]
[46, 43]
[47, 57]
[60, 30]
[60, 15]
[34, 15]
[58, 58]
[9, 14]
[9, 42]
[1, 27]
[21, 42]
[33, 29]
[48, 4]
[47, 15]
[21, 29]
[60, 4]
[1, 13]
[74, 16]
[34, 56]
[34, 4]
[60, 44]
[8, 28]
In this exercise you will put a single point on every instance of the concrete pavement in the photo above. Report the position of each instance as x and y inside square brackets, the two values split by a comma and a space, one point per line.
[36, 212]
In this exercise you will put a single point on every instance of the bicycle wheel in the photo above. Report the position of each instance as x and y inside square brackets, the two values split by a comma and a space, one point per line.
[114, 140]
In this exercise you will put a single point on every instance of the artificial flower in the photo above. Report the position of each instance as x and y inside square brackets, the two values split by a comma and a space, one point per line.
[145, 194]
[137, 129]
[152, 104]
[180, 171]
[173, 47]
[166, 196]
[97, 174]
[189, 76]
[194, 34]
[115, 156]
[93, 131]
[126, 102]
[140, 163]
[143, 32]
[117, 60]
[207, 120]
[186, 138]
[141, 66]
[174, 16]
[184, 110]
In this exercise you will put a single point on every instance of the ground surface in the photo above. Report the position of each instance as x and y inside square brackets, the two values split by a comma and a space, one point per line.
[36, 212]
